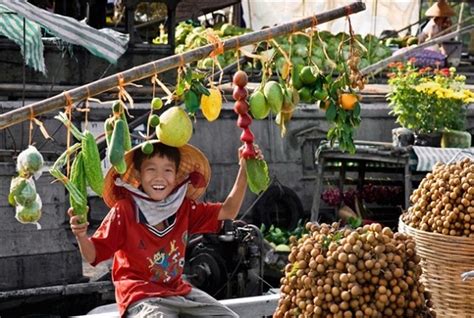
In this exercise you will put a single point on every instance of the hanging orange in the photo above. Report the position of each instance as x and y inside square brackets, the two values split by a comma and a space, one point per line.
[348, 101]
[211, 105]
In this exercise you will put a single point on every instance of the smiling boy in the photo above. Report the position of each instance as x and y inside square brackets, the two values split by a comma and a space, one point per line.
[153, 213]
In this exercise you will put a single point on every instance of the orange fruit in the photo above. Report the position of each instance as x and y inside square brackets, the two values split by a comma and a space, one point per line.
[348, 101]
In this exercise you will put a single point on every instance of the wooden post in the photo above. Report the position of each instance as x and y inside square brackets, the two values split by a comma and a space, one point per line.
[147, 70]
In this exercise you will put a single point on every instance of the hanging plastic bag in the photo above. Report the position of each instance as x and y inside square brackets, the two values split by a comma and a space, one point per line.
[29, 162]
[30, 213]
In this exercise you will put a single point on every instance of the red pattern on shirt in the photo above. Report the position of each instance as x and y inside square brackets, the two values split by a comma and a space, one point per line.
[145, 264]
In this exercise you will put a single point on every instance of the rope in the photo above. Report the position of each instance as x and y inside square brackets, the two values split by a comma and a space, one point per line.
[68, 111]
[32, 116]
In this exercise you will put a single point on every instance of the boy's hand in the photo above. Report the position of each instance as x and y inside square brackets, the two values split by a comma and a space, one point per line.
[258, 154]
[79, 230]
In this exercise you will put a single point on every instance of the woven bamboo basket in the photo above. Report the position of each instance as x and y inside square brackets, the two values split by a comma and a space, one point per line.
[443, 259]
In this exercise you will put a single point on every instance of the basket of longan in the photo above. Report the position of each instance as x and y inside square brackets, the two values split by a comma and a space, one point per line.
[441, 220]
[343, 272]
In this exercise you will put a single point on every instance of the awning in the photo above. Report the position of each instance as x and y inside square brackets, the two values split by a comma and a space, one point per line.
[101, 44]
[11, 26]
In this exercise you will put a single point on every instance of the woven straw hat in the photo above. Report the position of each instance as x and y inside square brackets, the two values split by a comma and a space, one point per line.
[193, 166]
[440, 9]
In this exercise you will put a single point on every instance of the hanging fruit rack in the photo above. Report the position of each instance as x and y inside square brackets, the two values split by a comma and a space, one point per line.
[191, 90]
[159, 66]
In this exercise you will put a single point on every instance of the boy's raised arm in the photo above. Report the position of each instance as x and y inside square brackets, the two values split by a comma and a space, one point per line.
[233, 202]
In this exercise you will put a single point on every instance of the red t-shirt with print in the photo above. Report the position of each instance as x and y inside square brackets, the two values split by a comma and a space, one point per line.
[148, 262]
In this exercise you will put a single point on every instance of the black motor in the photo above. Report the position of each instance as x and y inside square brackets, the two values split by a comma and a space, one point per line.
[227, 264]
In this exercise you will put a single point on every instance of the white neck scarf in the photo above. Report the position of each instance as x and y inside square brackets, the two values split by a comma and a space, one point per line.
[155, 212]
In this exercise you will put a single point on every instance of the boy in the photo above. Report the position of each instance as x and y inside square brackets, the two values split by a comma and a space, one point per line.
[152, 215]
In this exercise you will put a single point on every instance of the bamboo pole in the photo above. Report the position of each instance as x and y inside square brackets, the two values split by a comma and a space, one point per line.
[380, 65]
[158, 66]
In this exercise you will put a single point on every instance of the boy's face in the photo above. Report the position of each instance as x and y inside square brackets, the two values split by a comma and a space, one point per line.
[158, 177]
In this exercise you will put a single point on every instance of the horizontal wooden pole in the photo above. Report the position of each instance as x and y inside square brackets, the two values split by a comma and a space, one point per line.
[377, 67]
[158, 66]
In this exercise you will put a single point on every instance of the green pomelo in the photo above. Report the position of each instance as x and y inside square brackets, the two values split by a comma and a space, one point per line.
[175, 128]
[274, 96]
[259, 107]
[308, 75]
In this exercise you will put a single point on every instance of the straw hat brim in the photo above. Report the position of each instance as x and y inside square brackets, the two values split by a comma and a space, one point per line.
[440, 9]
[193, 161]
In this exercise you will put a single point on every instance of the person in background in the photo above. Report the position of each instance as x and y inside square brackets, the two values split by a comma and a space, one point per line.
[440, 14]
[433, 56]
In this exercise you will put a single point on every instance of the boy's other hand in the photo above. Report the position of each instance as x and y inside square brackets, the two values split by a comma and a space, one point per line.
[78, 229]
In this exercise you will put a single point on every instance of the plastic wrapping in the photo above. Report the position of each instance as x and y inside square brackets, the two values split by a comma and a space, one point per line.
[30, 162]
[30, 213]
[25, 191]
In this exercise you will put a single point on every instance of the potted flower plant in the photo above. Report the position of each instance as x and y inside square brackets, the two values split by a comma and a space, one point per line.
[430, 102]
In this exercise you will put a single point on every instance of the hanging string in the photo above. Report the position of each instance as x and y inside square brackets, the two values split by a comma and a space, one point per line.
[86, 109]
[123, 94]
[314, 22]
[68, 111]
[32, 116]
[213, 39]
[237, 47]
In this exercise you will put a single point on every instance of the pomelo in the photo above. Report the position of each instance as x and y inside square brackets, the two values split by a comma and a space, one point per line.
[274, 96]
[259, 107]
[175, 128]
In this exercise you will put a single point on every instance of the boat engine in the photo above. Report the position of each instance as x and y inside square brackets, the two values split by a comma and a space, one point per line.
[227, 264]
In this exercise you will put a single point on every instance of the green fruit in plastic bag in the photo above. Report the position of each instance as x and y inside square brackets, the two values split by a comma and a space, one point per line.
[27, 194]
[30, 213]
[29, 161]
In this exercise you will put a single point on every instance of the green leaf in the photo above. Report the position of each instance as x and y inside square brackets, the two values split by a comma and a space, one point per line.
[354, 222]
[191, 101]
[357, 110]
[331, 111]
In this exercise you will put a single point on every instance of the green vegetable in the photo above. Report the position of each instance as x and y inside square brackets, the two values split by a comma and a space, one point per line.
[127, 140]
[92, 163]
[257, 175]
[78, 178]
[116, 150]
[108, 128]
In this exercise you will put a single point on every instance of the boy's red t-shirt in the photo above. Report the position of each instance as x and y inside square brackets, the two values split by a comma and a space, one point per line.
[148, 262]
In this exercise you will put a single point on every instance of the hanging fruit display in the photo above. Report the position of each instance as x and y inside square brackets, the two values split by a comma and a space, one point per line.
[256, 168]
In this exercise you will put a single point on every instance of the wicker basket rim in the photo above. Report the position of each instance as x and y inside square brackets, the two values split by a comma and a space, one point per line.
[437, 235]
